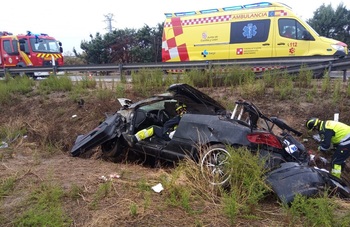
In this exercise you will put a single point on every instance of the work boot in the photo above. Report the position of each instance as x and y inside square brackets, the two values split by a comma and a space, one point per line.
[131, 139]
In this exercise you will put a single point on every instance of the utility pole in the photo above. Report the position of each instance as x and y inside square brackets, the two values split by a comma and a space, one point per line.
[109, 19]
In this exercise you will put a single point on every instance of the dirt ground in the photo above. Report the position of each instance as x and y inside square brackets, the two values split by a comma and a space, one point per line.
[57, 119]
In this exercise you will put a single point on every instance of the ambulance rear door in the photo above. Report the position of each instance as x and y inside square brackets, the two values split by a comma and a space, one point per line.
[195, 38]
[251, 39]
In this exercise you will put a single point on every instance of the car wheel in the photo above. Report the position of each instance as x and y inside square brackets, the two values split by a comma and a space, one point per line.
[214, 163]
[111, 148]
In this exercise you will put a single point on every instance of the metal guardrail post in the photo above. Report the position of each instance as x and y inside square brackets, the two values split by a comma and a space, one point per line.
[209, 65]
[54, 70]
[120, 68]
[344, 75]
[330, 67]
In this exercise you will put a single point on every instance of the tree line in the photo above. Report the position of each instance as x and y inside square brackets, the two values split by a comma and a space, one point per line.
[332, 23]
[144, 45]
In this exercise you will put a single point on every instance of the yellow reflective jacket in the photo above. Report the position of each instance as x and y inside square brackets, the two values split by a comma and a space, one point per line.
[333, 132]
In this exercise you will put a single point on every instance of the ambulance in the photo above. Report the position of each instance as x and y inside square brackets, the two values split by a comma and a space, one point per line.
[259, 30]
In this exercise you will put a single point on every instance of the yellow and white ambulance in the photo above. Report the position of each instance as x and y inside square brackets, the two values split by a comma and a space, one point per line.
[259, 30]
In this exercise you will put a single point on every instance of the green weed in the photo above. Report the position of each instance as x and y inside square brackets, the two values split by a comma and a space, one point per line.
[143, 185]
[14, 86]
[326, 84]
[284, 89]
[147, 81]
[253, 89]
[12, 130]
[247, 184]
[120, 90]
[102, 192]
[44, 208]
[6, 186]
[322, 211]
[198, 78]
[236, 75]
[75, 192]
[55, 83]
[86, 82]
[180, 197]
[337, 91]
[104, 94]
[304, 78]
[133, 209]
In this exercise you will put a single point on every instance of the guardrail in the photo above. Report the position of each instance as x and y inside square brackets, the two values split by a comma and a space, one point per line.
[291, 64]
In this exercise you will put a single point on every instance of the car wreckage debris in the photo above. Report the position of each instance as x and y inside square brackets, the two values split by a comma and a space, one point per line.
[210, 126]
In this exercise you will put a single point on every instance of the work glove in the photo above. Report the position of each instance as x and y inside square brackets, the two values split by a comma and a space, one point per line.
[317, 137]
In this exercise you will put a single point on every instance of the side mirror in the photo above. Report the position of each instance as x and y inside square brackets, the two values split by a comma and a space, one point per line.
[61, 49]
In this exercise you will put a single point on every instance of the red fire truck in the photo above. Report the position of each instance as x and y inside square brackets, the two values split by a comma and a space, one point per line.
[30, 50]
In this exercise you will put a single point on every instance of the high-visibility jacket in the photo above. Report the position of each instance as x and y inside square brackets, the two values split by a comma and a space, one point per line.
[333, 132]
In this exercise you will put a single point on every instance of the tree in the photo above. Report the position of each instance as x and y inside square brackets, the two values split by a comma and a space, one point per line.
[332, 24]
[119, 43]
[124, 46]
[95, 50]
[342, 27]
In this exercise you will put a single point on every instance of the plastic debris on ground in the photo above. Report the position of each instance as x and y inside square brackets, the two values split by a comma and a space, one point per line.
[110, 177]
[158, 188]
[3, 145]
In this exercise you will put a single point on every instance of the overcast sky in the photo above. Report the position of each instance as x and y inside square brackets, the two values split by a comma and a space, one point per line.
[72, 21]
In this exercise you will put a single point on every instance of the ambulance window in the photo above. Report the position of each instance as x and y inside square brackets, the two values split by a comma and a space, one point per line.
[250, 31]
[303, 33]
[287, 28]
[290, 28]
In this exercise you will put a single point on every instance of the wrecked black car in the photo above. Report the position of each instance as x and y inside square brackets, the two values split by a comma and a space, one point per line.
[205, 132]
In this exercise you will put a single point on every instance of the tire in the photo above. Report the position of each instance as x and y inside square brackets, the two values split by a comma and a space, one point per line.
[214, 164]
[111, 148]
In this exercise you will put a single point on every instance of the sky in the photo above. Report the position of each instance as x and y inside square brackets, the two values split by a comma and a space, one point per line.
[72, 21]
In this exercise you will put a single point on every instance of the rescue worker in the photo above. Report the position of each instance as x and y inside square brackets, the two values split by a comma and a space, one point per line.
[288, 33]
[333, 133]
[166, 132]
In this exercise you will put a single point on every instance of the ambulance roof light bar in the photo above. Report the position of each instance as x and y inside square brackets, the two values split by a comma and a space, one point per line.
[257, 5]
[231, 8]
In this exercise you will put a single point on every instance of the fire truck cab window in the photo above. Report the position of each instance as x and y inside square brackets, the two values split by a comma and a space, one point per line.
[41, 47]
[7, 46]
